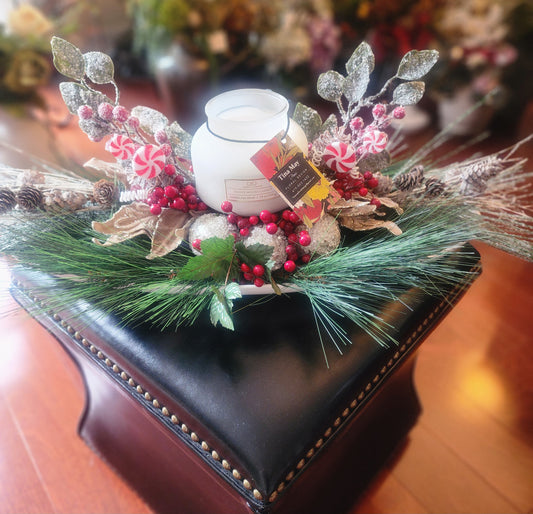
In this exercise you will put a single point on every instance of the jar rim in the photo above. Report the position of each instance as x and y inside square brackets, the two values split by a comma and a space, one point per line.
[217, 105]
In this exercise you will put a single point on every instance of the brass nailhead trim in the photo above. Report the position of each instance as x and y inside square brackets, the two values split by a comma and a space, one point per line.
[236, 474]
[225, 464]
[155, 403]
[273, 496]
[174, 419]
[164, 411]
[205, 446]
[246, 484]
[257, 495]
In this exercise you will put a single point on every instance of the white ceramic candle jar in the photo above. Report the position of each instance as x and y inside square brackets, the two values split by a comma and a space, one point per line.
[239, 123]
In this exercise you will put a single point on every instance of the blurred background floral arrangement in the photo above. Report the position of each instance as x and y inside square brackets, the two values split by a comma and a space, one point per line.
[194, 46]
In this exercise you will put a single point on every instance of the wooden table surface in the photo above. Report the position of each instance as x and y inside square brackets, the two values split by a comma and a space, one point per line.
[471, 451]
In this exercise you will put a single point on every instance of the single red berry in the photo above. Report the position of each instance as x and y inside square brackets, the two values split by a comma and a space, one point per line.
[258, 270]
[105, 111]
[368, 175]
[121, 114]
[244, 232]
[155, 209]
[243, 223]
[288, 228]
[245, 268]
[158, 192]
[347, 195]
[293, 238]
[170, 170]
[133, 122]
[232, 218]
[363, 191]
[179, 204]
[275, 218]
[192, 199]
[399, 112]
[248, 276]
[226, 206]
[286, 214]
[253, 220]
[259, 282]
[163, 201]
[85, 112]
[189, 190]
[357, 123]
[179, 179]
[289, 266]
[376, 202]
[166, 149]
[196, 244]
[271, 228]
[379, 110]
[305, 238]
[265, 216]
[372, 183]
[171, 191]
[202, 206]
[290, 249]
[294, 218]
[306, 257]
[192, 206]
[292, 256]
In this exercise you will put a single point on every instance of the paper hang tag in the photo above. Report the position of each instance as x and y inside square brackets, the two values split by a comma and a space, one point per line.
[295, 178]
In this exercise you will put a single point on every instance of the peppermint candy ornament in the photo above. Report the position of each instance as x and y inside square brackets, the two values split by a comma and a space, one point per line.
[374, 141]
[340, 157]
[148, 161]
[121, 147]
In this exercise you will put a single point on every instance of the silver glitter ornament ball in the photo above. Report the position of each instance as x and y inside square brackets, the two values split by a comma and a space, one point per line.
[210, 225]
[325, 236]
[278, 241]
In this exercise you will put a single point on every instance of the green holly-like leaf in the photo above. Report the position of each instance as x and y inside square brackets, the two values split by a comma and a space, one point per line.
[330, 85]
[215, 262]
[99, 67]
[330, 125]
[362, 55]
[308, 119]
[409, 93]
[68, 58]
[416, 63]
[220, 309]
[254, 254]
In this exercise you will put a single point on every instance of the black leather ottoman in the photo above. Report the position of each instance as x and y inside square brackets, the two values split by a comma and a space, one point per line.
[209, 421]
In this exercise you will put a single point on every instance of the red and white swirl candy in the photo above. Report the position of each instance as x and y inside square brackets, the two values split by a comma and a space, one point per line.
[121, 147]
[340, 157]
[148, 161]
[374, 141]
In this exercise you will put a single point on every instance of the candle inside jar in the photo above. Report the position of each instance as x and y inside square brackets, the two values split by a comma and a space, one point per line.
[245, 113]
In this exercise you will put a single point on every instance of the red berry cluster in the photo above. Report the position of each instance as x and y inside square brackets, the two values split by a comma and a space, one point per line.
[287, 221]
[175, 196]
[348, 184]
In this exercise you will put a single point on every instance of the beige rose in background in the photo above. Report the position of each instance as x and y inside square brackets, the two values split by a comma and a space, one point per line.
[28, 21]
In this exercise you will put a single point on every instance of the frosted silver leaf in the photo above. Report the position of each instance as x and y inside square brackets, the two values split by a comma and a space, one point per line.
[416, 63]
[409, 93]
[75, 95]
[180, 140]
[68, 58]
[329, 85]
[362, 55]
[150, 120]
[374, 162]
[356, 83]
[99, 67]
[308, 119]
[95, 128]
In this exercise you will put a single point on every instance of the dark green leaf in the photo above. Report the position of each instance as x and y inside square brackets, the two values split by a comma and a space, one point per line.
[362, 55]
[215, 261]
[254, 254]
[68, 58]
[416, 63]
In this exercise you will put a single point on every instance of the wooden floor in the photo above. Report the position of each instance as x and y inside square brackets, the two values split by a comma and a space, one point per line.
[471, 451]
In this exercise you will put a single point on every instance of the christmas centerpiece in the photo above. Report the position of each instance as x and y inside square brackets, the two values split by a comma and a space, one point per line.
[265, 203]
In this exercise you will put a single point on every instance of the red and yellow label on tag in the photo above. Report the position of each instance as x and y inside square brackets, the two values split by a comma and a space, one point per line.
[295, 178]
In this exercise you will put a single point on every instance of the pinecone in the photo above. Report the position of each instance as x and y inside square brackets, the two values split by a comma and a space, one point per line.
[384, 184]
[434, 187]
[476, 175]
[411, 179]
[8, 200]
[29, 198]
[104, 192]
